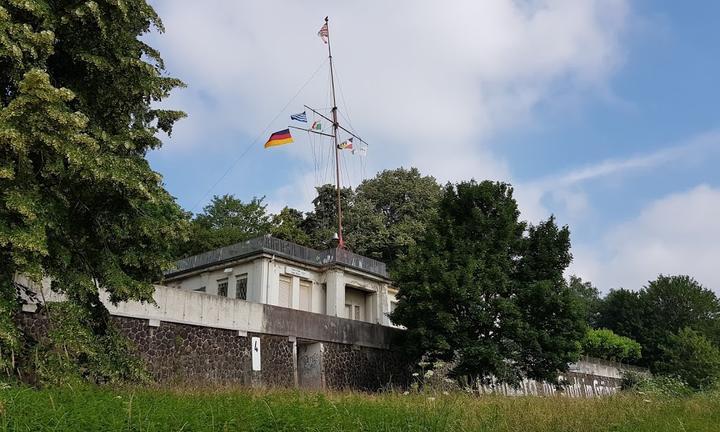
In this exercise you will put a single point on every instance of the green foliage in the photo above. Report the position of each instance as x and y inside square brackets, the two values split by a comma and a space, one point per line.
[391, 211]
[73, 352]
[108, 409]
[287, 225]
[656, 386]
[589, 297]
[484, 290]
[78, 201]
[605, 344]
[619, 311]
[381, 219]
[321, 223]
[691, 357]
[658, 311]
[226, 220]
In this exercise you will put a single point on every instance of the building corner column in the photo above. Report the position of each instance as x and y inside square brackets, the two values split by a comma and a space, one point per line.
[336, 293]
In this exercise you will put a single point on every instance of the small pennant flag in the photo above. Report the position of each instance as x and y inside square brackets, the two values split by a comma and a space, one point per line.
[279, 138]
[302, 117]
[361, 150]
[324, 33]
[346, 145]
[316, 126]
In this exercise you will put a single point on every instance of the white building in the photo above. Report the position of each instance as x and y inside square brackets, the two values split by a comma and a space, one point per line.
[271, 271]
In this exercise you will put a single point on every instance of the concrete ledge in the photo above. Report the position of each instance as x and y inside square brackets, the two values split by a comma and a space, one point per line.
[324, 328]
[199, 309]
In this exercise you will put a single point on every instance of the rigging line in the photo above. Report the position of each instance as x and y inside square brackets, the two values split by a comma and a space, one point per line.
[342, 96]
[347, 170]
[250, 146]
[312, 150]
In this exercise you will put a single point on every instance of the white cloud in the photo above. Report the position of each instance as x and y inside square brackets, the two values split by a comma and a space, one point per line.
[678, 234]
[566, 189]
[428, 83]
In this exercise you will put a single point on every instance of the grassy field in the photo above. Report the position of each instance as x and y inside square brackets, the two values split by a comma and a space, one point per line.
[93, 409]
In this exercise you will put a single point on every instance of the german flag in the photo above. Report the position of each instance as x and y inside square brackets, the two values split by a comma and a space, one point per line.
[279, 138]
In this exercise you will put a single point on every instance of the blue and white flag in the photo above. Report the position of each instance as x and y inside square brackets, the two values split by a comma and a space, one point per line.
[302, 117]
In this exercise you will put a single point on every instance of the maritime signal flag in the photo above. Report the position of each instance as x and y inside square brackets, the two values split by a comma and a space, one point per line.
[302, 117]
[346, 145]
[279, 138]
[316, 126]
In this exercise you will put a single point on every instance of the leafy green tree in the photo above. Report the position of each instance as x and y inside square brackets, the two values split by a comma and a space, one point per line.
[78, 200]
[365, 230]
[659, 310]
[321, 223]
[287, 225]
[620, 311]
[589, 297]
[553, 320]
[391, 211]
[483, 290]
[691, 357]
[672, 303]
[226, 220]
[605, 344]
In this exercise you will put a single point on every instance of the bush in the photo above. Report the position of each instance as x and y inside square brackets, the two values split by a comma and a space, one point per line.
[663, 386]
[605, 344]
[73, 352]
[691, 357]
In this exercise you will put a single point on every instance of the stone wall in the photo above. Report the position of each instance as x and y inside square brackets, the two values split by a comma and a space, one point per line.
[175, 353]
[353, 367]
[183, 353]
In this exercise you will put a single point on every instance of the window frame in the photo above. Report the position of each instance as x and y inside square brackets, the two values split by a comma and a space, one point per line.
[220, 282]
[238, 278]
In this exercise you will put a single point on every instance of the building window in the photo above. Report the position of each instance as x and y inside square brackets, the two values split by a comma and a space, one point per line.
[222, 285]
[241, 286]
[201, 289]
[357, 313]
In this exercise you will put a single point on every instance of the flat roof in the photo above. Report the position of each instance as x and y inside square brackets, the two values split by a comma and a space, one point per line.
[283, 248]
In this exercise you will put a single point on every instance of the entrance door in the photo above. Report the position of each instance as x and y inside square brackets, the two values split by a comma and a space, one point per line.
[309, 364]
[285, 291]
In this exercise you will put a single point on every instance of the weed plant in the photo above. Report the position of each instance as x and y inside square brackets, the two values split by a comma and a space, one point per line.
[89, 408]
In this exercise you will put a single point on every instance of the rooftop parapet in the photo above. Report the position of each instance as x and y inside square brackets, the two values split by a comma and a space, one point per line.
[282, 248]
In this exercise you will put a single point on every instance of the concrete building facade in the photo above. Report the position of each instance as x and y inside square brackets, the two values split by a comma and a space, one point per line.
[275, 272]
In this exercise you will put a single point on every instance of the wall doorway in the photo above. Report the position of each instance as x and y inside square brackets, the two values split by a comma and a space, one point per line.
[310, 364]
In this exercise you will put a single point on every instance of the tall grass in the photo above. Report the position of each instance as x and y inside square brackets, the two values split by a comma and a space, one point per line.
[106, 409]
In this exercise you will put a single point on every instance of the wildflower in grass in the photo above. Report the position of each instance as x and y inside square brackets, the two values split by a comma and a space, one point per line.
[429, 374]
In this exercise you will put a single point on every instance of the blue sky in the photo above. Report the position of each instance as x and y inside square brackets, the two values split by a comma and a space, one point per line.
[604, 113]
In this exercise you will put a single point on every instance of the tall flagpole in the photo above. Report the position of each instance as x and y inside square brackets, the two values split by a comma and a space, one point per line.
[341, 242]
